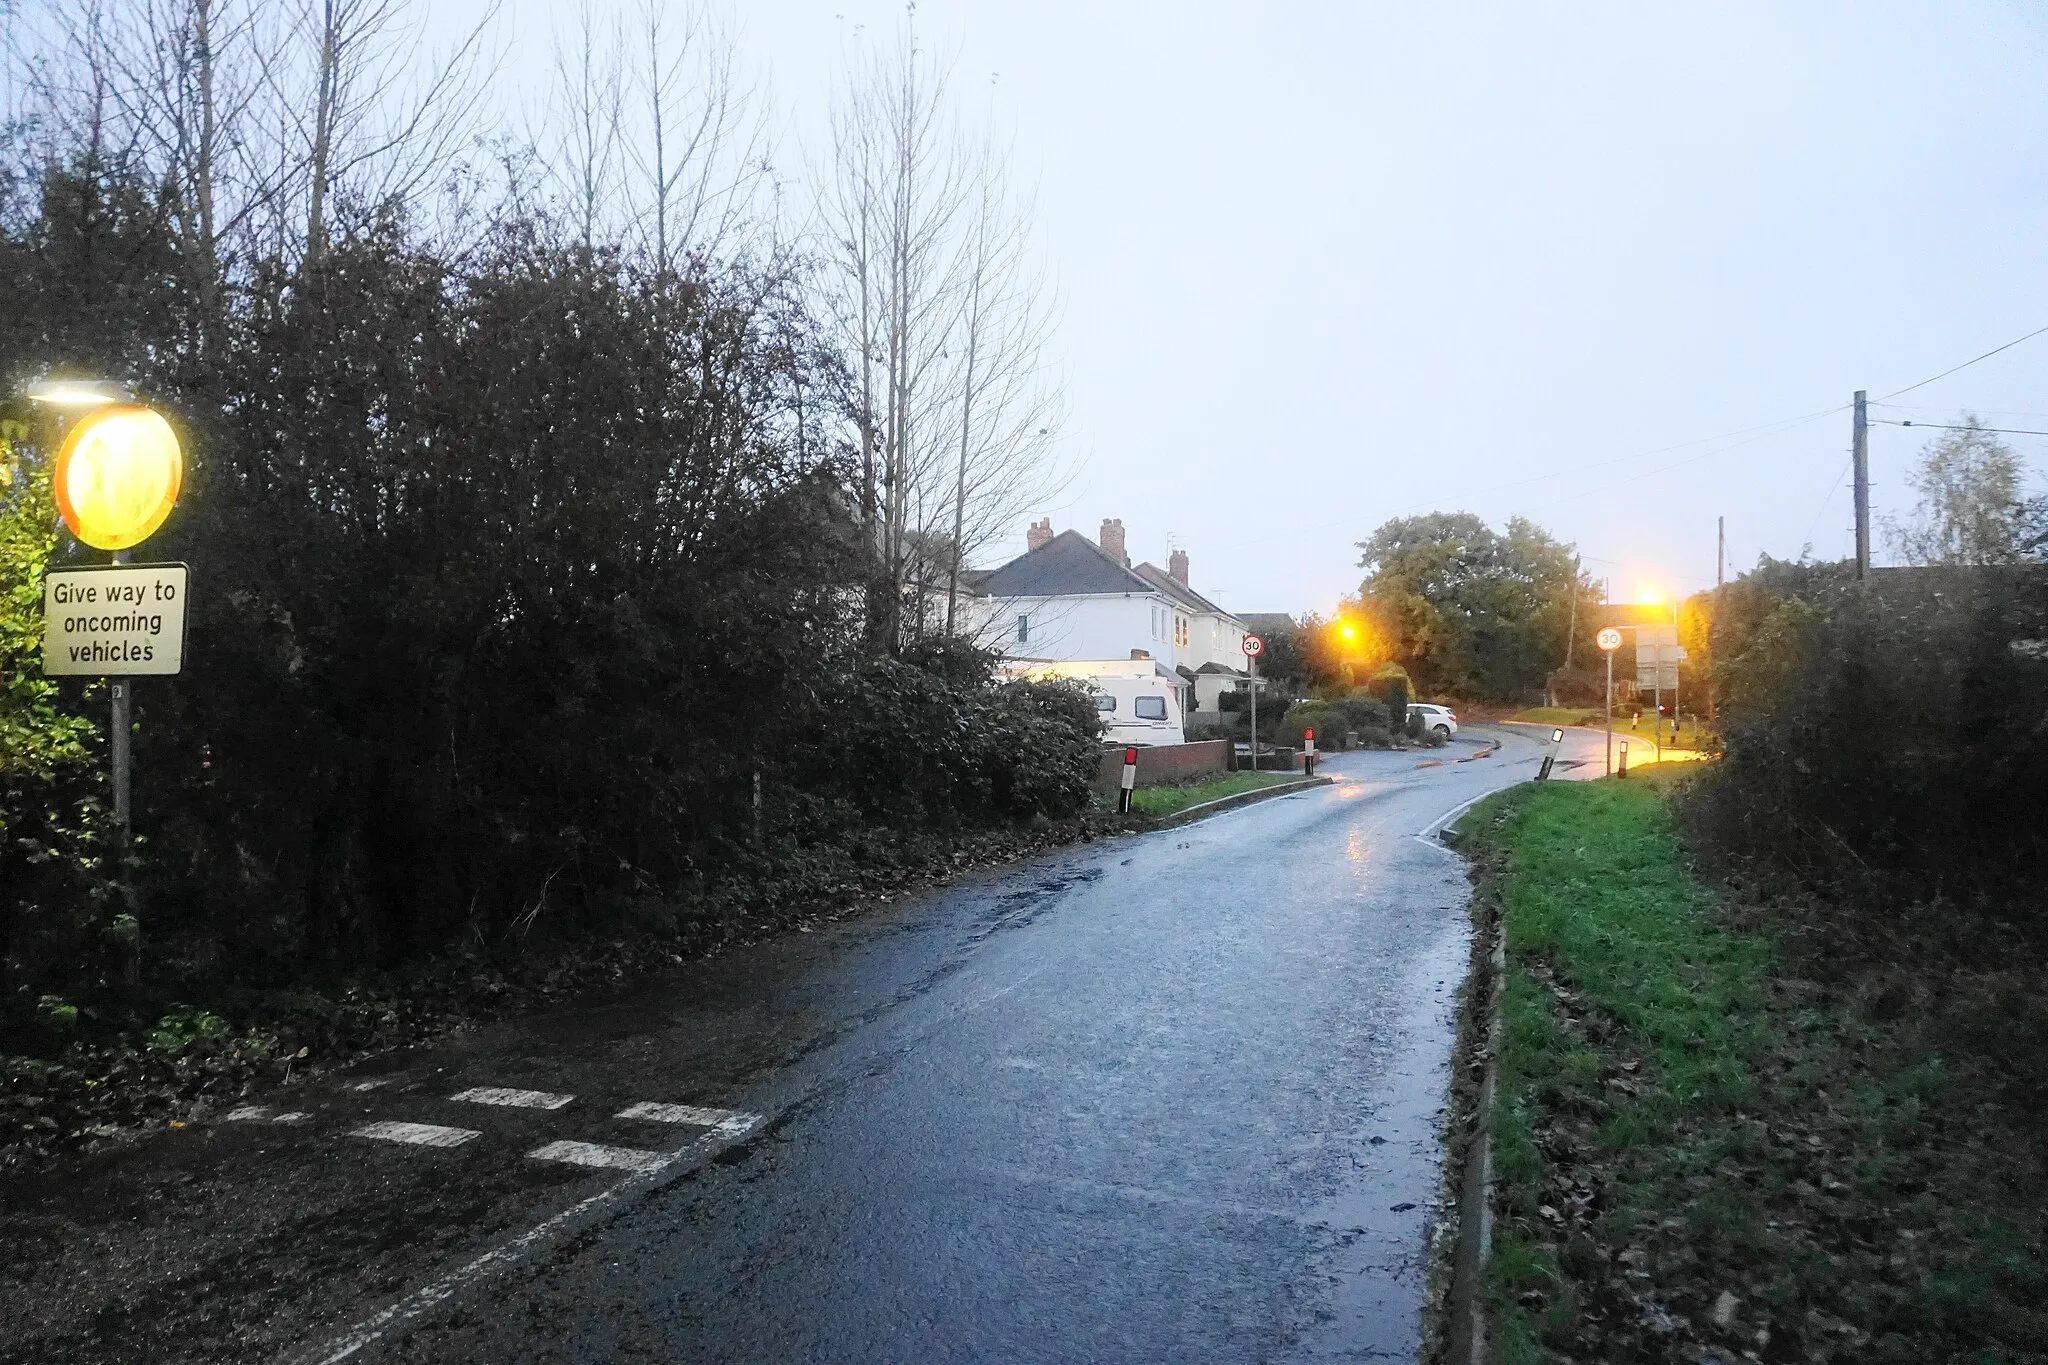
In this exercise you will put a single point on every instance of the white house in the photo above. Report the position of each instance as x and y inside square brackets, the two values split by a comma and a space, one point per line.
[1067, 598]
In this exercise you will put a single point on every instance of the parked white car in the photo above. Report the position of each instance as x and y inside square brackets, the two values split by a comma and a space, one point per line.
[1441, 719]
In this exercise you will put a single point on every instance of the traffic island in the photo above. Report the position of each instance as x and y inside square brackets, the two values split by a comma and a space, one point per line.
[1694, 1136]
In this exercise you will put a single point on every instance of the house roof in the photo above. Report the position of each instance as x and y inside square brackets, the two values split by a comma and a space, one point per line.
[1069, 564]
[1269, 622]
[1177, 590]
[1225, 669]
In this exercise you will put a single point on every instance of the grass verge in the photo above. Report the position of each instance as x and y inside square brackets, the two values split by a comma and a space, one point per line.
[1556, 715]
[1166, 800]
[1703, 1155]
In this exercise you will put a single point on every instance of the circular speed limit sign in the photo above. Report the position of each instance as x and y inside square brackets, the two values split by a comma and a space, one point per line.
[1253, 646]
[1610, 639]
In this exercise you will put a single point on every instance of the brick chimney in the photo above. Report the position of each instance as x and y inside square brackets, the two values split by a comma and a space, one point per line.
[1113, 540]
[1177, 567]
[1039, 535]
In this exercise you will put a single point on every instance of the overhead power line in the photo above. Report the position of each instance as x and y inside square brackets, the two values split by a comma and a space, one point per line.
[1949, 426]
[1965, 365]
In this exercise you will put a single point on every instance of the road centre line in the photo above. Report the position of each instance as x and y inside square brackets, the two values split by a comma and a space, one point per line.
[725, 1120]
[604, 1158]
[515, 1099]
[418, 1134]
[577, 1217]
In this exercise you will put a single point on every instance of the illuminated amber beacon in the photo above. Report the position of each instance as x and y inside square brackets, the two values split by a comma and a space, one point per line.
[118, 476]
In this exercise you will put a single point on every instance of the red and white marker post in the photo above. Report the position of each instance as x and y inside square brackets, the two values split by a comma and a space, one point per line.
[1129, 781]
[1308, 752]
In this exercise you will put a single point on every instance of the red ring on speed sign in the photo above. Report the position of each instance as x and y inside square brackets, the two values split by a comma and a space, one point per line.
[1254, 646]
[1610, 638]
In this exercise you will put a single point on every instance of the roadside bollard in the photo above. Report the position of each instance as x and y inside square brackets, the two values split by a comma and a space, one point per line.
[1129, 781]
[1308, 752]
[1543, 773]
[1622, 769]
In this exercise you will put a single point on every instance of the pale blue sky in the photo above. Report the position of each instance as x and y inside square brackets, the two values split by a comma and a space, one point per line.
[1326, 264]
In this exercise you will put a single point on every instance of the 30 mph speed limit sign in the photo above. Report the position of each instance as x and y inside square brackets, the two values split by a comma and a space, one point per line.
[1253, 646]
[1610, 639]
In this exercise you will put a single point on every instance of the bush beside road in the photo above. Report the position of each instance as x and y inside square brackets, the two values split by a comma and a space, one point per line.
[1719, 1136]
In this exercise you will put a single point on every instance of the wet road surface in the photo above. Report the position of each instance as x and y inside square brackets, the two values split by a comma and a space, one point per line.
[1165, 1097]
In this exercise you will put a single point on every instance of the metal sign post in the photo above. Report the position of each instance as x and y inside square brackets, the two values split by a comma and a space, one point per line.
[1609, 640]
[116, 478]
[1253, 647]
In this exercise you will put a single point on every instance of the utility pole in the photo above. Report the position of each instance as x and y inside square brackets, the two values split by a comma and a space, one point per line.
[1861, 455]
[1720, 552]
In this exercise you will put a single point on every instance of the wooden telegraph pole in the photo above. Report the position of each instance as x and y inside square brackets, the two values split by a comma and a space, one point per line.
[1860, 454]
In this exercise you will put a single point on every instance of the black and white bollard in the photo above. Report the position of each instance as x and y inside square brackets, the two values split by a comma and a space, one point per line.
[1543, 773]
[1621, 769]
[1129, 781]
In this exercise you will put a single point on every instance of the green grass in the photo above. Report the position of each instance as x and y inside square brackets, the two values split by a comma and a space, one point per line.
[1736, 1133]
[1556, 715]
[1165, 800]
[1596, 903]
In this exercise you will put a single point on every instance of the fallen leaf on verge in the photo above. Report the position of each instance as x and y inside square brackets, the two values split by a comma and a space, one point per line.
[1724, 1309]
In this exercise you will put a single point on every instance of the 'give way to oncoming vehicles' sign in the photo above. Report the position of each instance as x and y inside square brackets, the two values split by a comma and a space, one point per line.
[114, 620]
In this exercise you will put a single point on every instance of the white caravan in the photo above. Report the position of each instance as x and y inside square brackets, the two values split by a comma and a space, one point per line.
[1139, 700]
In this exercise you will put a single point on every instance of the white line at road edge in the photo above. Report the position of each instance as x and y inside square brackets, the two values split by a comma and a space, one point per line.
[576, 1218]
[595, 1154]
[1428, 836]
[724, 1120]
[514, 1099]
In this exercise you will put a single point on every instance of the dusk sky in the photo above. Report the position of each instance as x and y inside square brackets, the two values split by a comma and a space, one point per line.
[1322, 265]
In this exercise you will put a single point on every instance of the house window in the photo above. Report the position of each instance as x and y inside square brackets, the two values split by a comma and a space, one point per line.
[1180, 631]
[1023, 630]
[1150, 708]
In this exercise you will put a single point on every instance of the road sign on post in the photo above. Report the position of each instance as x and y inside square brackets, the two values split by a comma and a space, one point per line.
[114, 620]
[1609, 640]
[1253, 648]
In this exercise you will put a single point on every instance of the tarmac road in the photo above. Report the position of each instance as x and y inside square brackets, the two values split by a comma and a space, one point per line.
[1164, 1097]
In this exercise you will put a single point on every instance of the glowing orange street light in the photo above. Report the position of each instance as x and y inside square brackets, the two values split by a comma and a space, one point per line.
[117, 475]
[1350, 631]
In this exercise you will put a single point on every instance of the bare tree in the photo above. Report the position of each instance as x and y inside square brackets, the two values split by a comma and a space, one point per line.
[382, 118]
[951, 403]
[581, 142]
[1009, 396]
[702, 148]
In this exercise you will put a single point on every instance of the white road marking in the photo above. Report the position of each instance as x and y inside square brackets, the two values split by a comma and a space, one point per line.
[419, 1134]
[722, 1120]
[586, 1214]
[516, 1099]
[591, 1154]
